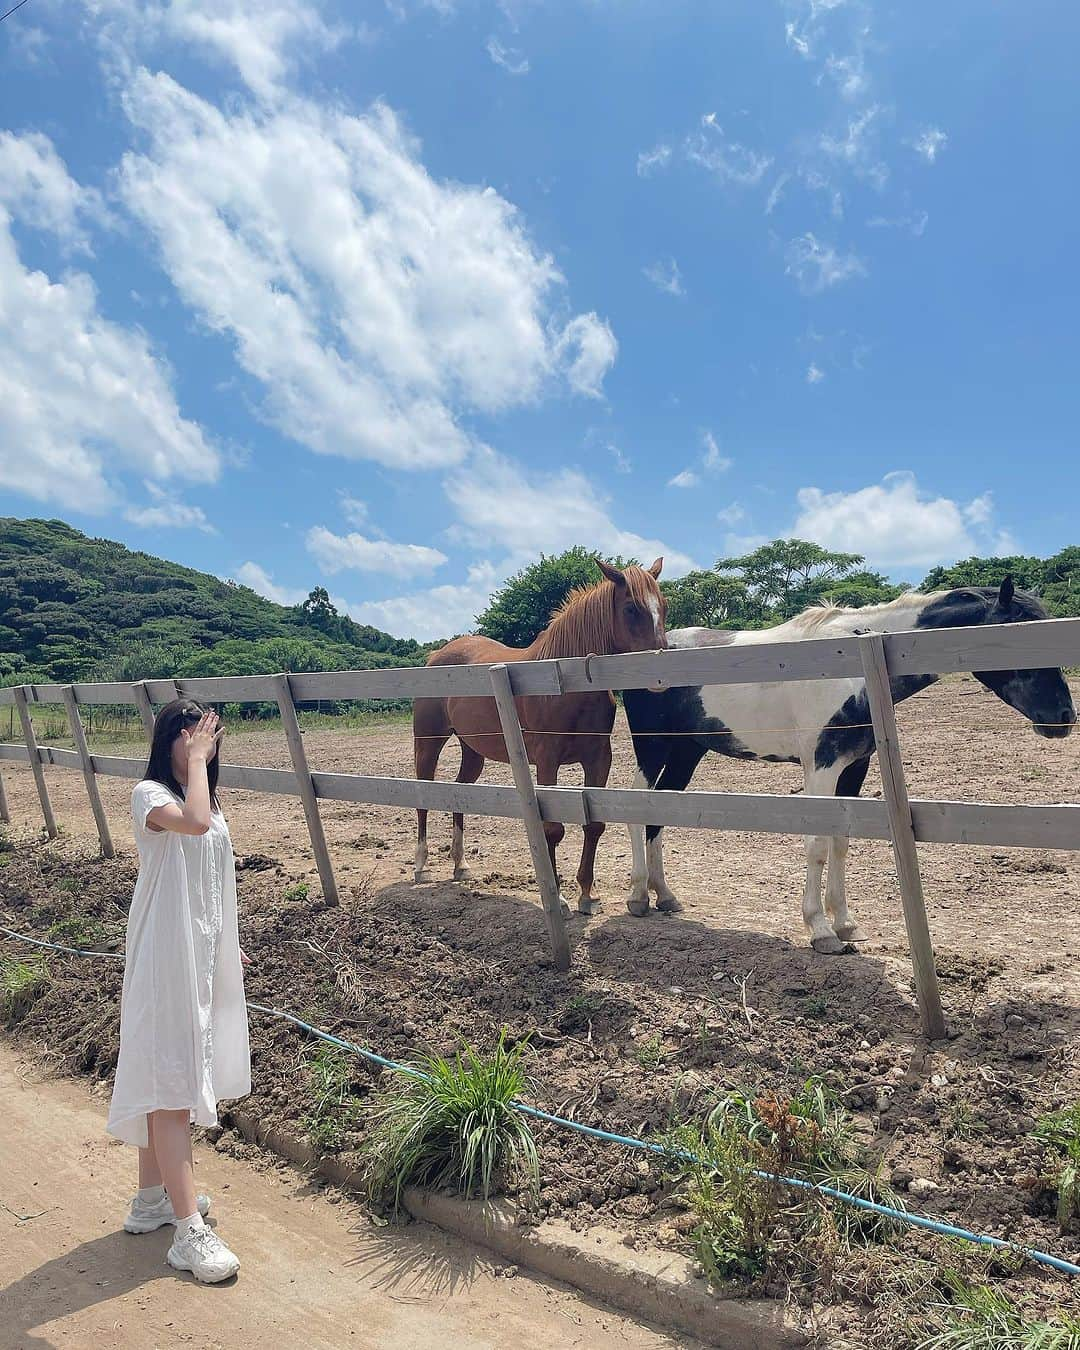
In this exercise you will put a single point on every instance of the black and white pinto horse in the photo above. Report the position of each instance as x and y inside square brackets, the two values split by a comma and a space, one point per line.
[824, 725]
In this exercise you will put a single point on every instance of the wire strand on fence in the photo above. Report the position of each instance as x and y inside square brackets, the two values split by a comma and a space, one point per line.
[641, 1145]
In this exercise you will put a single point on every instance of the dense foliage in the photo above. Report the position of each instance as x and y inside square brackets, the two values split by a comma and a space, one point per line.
[75, 608]
[771, 584]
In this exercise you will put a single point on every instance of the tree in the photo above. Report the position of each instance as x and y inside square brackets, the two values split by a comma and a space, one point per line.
[523, 605]
[1026, 572]
[785, 577]
[705, 600]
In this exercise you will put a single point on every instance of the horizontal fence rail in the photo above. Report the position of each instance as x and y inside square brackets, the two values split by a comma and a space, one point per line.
[935, 822]
[874, 659]
[934, 651]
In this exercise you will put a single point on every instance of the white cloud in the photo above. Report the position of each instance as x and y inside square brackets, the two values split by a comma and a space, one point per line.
[712, 462]
[354, 511]
[817, 266]
[36, 187]
[930, 143]
[259, 579]
[440, 612]
[776, 192]
[666, 277]
[376, 305]
[648, 161]
[687, 479]
[509, 58]
[894, 523]
[81, 398]
[814, 374]
[915, 223]
[731, 515]
[712, 459]
[588, 348]
[335, 553]
[501, 506]
[263, 39]
[167, 512]
[730, 161]
[856, 148]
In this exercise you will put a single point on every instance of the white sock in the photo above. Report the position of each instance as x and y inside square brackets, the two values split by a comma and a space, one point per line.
[184, 1226]
[152, 1195]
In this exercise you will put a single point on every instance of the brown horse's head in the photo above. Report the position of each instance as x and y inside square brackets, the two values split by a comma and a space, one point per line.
[638, 607]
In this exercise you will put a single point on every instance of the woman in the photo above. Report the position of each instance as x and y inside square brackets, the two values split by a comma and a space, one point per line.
[183, 1019]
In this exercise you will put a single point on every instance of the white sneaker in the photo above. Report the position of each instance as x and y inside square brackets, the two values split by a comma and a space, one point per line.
[144, 1218]
[202, 1252]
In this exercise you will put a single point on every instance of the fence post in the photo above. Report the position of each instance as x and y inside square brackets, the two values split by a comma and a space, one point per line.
[145, 707]
[530, 810]
[287, 709]
[35, 759]
[5, 814]
[79, 737]
[883, 714]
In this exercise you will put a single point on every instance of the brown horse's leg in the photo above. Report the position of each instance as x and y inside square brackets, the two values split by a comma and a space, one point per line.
[547, 775]
[431, 731]
[472, 765]
[596, 769]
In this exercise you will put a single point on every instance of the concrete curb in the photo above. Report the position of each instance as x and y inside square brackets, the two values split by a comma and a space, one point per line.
[657, 1286]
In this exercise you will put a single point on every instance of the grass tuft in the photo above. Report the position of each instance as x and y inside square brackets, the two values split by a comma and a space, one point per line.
[980, 1318]
[21, 982]
[1060, 1131]
[454, 1126]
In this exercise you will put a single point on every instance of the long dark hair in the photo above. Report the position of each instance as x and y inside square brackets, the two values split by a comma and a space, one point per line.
[168, 724]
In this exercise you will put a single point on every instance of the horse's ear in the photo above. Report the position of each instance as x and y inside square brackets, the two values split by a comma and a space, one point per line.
[612, 573]
[656, 568]
[1005, 595]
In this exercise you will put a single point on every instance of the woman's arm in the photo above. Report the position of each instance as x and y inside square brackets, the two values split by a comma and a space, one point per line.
[194, 816]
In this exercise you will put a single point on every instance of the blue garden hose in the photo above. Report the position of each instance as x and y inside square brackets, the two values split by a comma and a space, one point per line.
[642, 1145]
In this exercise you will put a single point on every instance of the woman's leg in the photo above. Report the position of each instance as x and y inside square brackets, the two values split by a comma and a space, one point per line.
[170, 1142]
[149, 1171]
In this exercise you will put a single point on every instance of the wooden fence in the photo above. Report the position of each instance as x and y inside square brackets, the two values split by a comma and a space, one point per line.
[873, 657]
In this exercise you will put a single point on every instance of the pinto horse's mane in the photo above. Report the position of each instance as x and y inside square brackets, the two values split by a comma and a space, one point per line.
[823, 613]
[585, 621]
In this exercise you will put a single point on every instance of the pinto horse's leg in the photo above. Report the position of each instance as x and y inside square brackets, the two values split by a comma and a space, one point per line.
[849, 784]
[683, 759]
[472, 765]
[638, 900]
[823, 937]
[596, 775]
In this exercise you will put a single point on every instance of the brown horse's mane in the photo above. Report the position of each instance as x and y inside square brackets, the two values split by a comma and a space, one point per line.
[584, 622]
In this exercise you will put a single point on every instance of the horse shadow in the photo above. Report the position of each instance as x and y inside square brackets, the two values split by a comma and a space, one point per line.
[97, 1271]
[653, 955]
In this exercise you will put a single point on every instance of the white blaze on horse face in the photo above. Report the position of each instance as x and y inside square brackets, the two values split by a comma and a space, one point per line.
[654, 610]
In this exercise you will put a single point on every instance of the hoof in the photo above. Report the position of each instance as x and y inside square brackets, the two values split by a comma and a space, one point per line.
[828, 946]
[669, 905]
[639, 907]
[463, 873]
[851, 932]
[587, 904]
[419, 878]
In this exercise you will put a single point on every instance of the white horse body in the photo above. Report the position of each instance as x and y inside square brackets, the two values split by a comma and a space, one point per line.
[823, 725]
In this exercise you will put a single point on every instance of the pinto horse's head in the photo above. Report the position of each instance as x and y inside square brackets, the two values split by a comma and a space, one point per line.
[1042, 695]
[639, 608]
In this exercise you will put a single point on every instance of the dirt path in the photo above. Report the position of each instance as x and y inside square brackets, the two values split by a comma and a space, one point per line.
[315, 1272]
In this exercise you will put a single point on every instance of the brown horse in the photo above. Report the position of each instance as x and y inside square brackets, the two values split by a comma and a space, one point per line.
[623, 613]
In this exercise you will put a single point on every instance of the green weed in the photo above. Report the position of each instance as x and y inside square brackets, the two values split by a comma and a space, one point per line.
[649, 1053]
[335, 1110]
[1060, 1131]
[76, 931]
[454, 1125]
[980, 1318]
[297, 892]
[21, 982]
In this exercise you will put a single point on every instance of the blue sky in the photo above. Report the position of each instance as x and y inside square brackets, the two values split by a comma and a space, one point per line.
[392, 297]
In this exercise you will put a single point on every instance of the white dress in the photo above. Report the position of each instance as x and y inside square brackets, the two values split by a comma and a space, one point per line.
[183, 1019]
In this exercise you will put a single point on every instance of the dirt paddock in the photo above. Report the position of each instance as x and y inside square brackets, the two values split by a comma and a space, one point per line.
[649, 1021]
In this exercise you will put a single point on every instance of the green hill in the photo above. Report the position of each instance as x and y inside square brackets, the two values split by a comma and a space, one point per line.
[75, 608]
